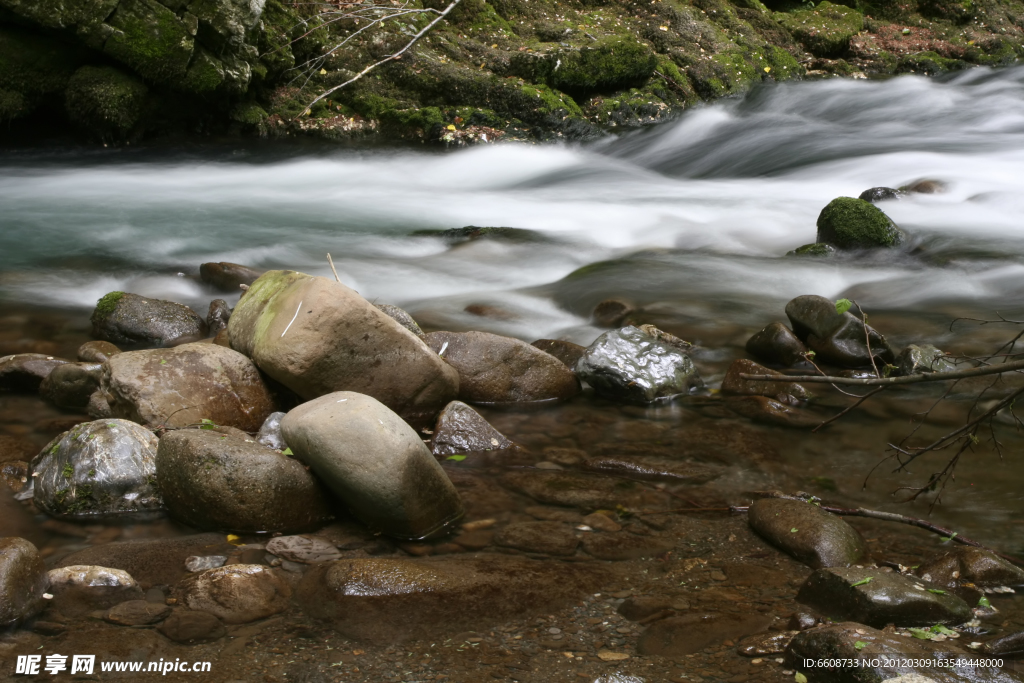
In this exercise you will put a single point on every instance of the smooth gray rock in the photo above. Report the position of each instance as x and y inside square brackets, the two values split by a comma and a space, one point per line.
[966, 565]
[98, 468]
[24, 372]
[805, 531]
[401, 317]
[124, 318]
[835, 338]
[22, 581]
[215, 481]
[71, 385]
[880, 194]
[630, 365]
[460, 429]
[921, 358]
[876, 597]
[374, 463]
[270, 433]
[776, 344]
[236, 593]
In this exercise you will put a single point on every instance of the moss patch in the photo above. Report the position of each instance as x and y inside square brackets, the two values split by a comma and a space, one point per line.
[848, 223]
[150, 39]
[825, 30]
[106, 305]
[105, 101]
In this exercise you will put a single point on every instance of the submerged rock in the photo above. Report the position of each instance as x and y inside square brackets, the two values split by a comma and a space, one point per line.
[581, 490]
[24, 372]
[771, 411]
[124, 318]
[612, 313]
[777, 344]
[966, 565]
[550, 538]
[654, 468]
[880, 194]
[567, 352]
[734, 384]
[213, 481]
[137, 613]
[303, 549]
[191, 627]
[922, 358]
[848, 223]
[400, 316]
[98, 468]
[837, 338]
[82, 588]
[497, 369]
[71, 385]
[619, 547]
[460, 429]
[628, 364]
[228, 276]
[805, 531]
[23, 581]
[236, 593]
[690, 633]
[374, 463]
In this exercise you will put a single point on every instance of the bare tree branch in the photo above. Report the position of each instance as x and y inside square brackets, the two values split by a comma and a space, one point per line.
[888, 381]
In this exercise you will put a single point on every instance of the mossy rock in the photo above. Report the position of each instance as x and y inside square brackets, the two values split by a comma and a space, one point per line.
[105, 101]
[848, 223]
[150, 39]
[606, 66]
[956, 11]
[816, 249]
[32, 67]
[826, 30]
[929, 64]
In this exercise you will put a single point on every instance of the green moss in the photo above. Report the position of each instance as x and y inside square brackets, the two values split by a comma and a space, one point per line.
[68, 471]
[106, 305]
[928, 63]
[783, 65]
[613, 63]
[825, 30]
[848, 223]
[31, 68]
[105, 101]
[956, 11]
[275, 40]
[204, 75]
[816, 249]
[249, 113]
[151, 39]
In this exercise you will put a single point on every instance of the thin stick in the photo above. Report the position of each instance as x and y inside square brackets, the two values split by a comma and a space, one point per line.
[867, 338]
[849, 408]
[887, 381]
[329, 260]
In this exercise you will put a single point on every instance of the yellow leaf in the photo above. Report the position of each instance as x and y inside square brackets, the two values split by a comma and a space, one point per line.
[800, 678]
[663, 28]
[494, 46]
[767, 69]
[234, 540]
[323, 71]
[451, 127]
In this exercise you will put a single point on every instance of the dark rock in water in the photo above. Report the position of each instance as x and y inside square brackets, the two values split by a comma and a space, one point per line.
[374, 463]
[125, 318]
[270, 433]
[690, 633]
[182, 386]
[654, 468]
[805, 531]
[836, 338]
[24, 372]
[876, 597]
[848, 223]
[966, 565]
[630, 365]
[1010, 646]
[619, 547]
[777, 344]
[218, 316]
[497, 369]
[813, 249]
[212, 481]
[70, 385]
[387, 599]
[316, 336]
[550, 538]
[158, 562]
[636, 608]
[15, 475]
[770, 411]
[460, 429]
[734, 384]
[880, 194]
[472, 233]
[96, 351]
[577, 489]
[236, 593]
[228, 276]
[567, 352]
[190, 627]
[922, 358]
[22, 581]
[925, 186]
[136, 613]
[612, 313]
[765, 644]
[80, 589]
[98, 468]
[401, 317]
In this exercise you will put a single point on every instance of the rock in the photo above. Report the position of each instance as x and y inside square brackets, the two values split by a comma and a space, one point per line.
[136, 613]
[765, 644]
[770, 411]
[654, 468]
[825, 30]
[337, 341]
[578, 489]
[394, 599]
[270, 433]
[734, 384]
[637, 608]
[834, 337]
[925, 186]
[375, 463]
[880, 194]
[401, 317]
[228, 276]
[15, 475]
[213, 481]
[98, 468]
[124, 318]
[496, 369]
[627, 364]
[79, 589]
[105, 101]
[70, 385]
[805, 531]
[814, 249]
[460, 429]
[182, 386]
[625, 546]
[1010, 646]
[567, 352]
[96, 351]
[237, 593]
[690, 633]
[218, 316]
[23, 581]
[876, 597]
[611, 313]
[472, 233]
[24, 372]
[200, 563]
[550, 538]
[922, 358]
[600, 522]
[848, 223]
[303, 549]
[966, 565]
[777, 344]
[187, 626]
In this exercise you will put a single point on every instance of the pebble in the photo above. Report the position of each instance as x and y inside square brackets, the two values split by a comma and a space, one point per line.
[200, 563]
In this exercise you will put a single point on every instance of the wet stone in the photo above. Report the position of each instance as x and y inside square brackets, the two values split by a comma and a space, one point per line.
[776, 344]
[236, 593]
[270, 433]
[880, 194]
[654, 468]
[734, 384]
[23, 580]
[401, 317]
[70, 385]
[637, 608]
[460, 429]
[689, 633]
[601, 522]
[770, 411]
[837, 338]
[916, 359]
[808, 533]
[626, 546]
[124, 318]
[15, 475]
[567, 352]
[966, 565]
[81, 588]
[136, 613]
[848, 223]
[303, 549]
[190, 627]
[217, 317]
[1011, 645]
[97, 351]
[876, 597]
[228, 276]
[200, 563]
[612, 312]
[765, 644]
[550, 538]
[24, 372]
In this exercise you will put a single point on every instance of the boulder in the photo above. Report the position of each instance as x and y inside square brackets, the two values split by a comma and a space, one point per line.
[549, 538]
[190, 627]
[103, 467]
[734, 384]
[317, 336]
[916, 359]
[374, 463]
[880, 194]
[691, 633]
[966, 565]
[80, 589]
[124, 318]
[836, 338]
[777, 344]
[805, 531]
[182, 386]
[96, 351]
[105, 101]
[24, 372]
[214, 481]
[848, 223]
[393, 599]
[22, 581]
[236, 593]
[270, 433]
[460, 429]
[496, 369]
[825, 29]
[70, 385]
[401, 317]
[228, 276]
[159, 562]
[217, 317]
[877, 596]
[630, 365]
[567, 352]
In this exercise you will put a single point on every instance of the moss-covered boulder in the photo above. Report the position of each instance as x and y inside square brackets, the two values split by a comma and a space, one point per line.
[105, 101]
[613, 63]
[848, 223]
[32, 67]
[125, 318]
[825, 30]
[151, 39]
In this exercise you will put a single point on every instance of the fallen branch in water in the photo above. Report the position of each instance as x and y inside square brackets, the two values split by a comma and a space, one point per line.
[889, 381]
